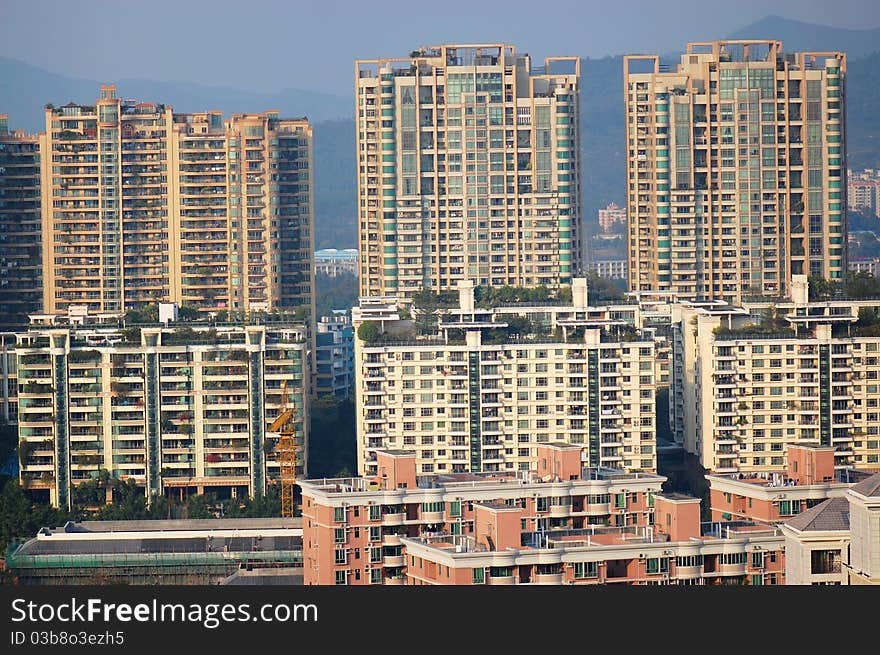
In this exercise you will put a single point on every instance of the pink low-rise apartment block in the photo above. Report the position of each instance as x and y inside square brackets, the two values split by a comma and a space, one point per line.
[809, 480]
[559, 523]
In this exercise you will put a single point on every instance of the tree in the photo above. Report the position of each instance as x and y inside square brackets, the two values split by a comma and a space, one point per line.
[146, 314]
[21, 518]
[335, 292]
[200, 506]
[188, 313]
[368, 332]
[862, 285]
[600, 289]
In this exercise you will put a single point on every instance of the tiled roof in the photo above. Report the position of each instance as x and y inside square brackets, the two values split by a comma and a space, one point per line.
[833, 514]
[869, 487]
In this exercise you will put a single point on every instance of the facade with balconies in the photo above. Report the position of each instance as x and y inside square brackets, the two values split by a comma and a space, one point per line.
[739, 133]
[176, 410]
[473, 397]
[146, 205]
[675, 549]
[748, 385]
[426, 219]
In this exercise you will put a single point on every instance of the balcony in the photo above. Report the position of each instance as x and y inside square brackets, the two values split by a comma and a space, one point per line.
[396, 581]
[393, 519]
[432, 517]
[547, 578]
[732, 569]
[689, 572]
[391, 540]
[503, 580]
[394, 560]
[559, 511]
[598, 509]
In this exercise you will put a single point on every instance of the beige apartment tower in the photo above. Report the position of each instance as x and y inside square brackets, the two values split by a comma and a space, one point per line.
[145, 205]
[736, 165]
[467, 169]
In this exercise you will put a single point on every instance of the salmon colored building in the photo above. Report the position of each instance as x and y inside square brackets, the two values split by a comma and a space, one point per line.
[359, 530]
[810, 479]
[676, 550]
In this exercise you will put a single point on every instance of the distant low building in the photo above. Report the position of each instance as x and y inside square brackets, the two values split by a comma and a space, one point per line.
[871, 266]
[613, 269]
[181, 552]
[333, 262]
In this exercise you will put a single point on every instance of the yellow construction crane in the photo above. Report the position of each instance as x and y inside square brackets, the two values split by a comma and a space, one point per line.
[286, 450]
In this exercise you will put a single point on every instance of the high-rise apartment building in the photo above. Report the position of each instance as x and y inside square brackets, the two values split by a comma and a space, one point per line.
[736, 167]
[468, 168]
[611, 216]
[144, 205]
[20, 253]
[184, 409]
[484, 391]
[863, 191]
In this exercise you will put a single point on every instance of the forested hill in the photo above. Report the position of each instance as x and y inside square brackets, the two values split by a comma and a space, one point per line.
[24, 90]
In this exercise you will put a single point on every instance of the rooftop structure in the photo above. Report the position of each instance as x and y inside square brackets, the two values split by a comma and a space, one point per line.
[675, 549]
[154, 552]
[774, 497]
[836, 542]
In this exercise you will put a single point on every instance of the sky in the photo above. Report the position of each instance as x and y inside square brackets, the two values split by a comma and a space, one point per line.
[269, 45]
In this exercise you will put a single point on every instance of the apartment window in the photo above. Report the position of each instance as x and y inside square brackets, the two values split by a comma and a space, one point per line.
[824, 561]
[341, 577]
[586, 570]
[338, 514]
[455, 508]
[376, 576]
[375, 533]
[339, 535]
[340, 556]
[620, 501]
[375, 512]
[689, 560]
[658, 565]
[479, 576]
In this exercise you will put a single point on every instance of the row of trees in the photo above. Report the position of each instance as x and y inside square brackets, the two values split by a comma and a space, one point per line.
[21, 517]
[854, 286]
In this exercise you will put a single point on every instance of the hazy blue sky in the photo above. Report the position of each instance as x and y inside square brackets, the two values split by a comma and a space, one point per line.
[267, 45]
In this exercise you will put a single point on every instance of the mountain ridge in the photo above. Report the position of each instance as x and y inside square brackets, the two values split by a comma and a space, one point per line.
[799, 35]
[25, 89]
